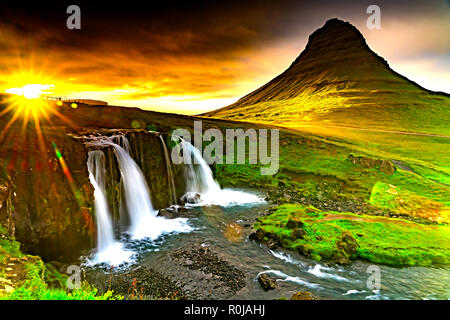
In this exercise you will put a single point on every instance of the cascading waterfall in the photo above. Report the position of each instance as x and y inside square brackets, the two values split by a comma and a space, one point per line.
[97, 176]
[199, 176]
[170, 178]
[108, 249]
[200, 180]
[137, 203]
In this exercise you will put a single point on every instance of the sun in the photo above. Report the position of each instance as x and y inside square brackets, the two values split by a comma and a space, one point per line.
[31, 91]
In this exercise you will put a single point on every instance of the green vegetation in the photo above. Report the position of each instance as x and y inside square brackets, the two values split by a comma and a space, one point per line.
[389, 241]
[36, 281]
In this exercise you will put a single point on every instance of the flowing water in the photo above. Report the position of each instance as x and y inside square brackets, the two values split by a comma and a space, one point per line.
[199, 179]
[108, 249]
[222, 221]
[170, 177]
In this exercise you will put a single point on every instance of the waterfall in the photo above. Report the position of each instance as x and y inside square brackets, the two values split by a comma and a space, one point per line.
[170, 178]
[138, 205]
[200, 181]
[199, 178]
[137, 195]
[97, 176]
[108, 249]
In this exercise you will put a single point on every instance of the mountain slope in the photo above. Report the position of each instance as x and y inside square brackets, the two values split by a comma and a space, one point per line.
[338, 80]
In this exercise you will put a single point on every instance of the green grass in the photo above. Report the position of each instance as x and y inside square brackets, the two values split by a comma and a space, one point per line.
[36, 286]
[307, 163]
[389, 241]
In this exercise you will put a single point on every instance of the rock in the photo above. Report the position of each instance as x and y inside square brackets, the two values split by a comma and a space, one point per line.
[294, 223]
[9, 289]
[304, 250]
[387, 167]
[266, 282]
[298, 233]
[9, 269]
[170, 214]
[346, 247]
[3, 280]
[272, 243]
[190, 198]
[287, 196]
[257, 236]
[303, 295]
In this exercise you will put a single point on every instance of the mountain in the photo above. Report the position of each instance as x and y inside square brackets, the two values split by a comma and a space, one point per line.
[339, 81]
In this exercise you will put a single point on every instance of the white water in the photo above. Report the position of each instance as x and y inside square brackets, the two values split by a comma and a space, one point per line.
[199, 179]
[170, 178]
[108, 249]
[144, 222]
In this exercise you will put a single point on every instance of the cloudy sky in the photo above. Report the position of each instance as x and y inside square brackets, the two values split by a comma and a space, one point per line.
[196, 56]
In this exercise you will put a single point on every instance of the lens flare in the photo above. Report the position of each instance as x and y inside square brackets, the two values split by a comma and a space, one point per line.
[31, 91]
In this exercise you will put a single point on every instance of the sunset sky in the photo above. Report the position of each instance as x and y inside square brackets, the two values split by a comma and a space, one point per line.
[195, 56]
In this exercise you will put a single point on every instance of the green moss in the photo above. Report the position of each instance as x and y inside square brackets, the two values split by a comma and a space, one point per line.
[38, 277]
[381, 240]
[38, 290]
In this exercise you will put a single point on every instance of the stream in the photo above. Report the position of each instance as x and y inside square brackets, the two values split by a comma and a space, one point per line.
[225, 230]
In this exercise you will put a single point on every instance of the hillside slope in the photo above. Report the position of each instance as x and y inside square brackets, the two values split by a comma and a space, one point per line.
[339, 80]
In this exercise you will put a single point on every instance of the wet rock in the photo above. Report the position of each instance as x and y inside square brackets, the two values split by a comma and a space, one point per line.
[266, 283]
[257, 236]
[272, 243]
[304, 250]
[303, 295]
[167, 213]
[190, 198]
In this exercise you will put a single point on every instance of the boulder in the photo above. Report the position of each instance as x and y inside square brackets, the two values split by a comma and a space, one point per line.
[257, 236]
[266, 283]
[190, 198]
[387, 167]
[298, 233]
[294, 223]
[346, 247]
[303, 295]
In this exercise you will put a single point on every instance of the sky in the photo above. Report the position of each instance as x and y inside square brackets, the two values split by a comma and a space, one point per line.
[195, 56]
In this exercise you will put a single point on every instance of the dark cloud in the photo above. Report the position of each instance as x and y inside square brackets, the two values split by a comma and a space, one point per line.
[186, 46]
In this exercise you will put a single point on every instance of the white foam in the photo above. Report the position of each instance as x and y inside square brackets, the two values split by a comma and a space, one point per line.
[287, 278]
[153, 227]
[113, 255]
[285, 257]
[349, 292]
[228, 198]
[317, 271]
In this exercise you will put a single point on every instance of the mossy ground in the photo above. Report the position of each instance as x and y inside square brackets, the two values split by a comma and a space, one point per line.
[402, 216]
[321, 169]
[383, 240]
